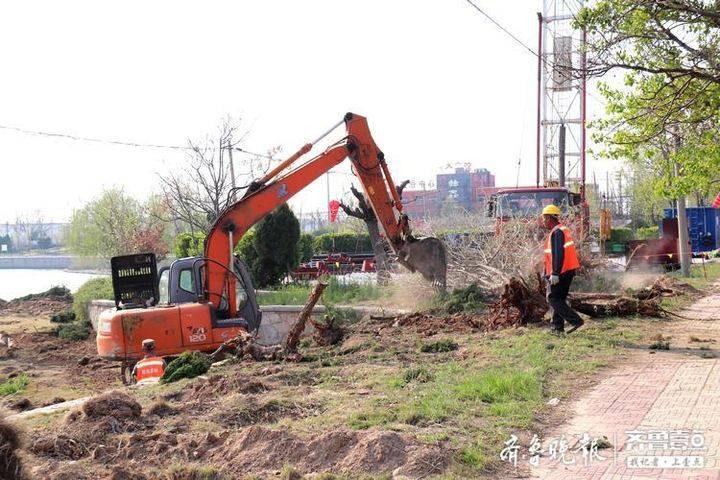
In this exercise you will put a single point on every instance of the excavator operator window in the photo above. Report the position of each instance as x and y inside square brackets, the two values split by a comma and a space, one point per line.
[240, 295]
[164, 287]
[187, 282]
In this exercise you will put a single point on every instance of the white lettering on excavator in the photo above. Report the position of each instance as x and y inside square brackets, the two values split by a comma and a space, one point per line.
[198, 335]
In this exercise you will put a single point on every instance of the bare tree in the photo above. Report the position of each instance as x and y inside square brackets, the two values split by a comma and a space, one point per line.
[197, 193]
[364, 212]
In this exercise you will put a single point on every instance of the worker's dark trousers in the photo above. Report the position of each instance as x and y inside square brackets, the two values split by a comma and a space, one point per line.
[557, 298]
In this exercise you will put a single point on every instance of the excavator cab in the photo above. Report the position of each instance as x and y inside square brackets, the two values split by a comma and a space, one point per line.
[170, 307]
[183, 280]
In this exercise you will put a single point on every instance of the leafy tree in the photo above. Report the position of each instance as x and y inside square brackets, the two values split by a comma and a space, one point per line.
[246, 248]
[665, 116]
[189, 244]
[306, 247]
[115, 224]
[6, 240]
[671, 39]
[276, 241]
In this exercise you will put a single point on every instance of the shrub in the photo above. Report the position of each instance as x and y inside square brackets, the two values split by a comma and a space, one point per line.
[59, 292]
[621, 235]
[96, 289]
[246, 248]
[342, 242]
[187, 365]
[74, 331]
[189, 244]
[644, 233]
[419, 375]
[63, 317]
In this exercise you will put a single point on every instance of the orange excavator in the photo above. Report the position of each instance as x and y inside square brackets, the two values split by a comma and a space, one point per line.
[198, 303]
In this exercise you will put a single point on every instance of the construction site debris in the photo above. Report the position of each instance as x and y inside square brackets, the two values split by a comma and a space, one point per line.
[519, 304]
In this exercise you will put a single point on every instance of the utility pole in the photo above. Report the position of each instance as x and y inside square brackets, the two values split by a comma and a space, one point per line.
[232, 168]
[683, 241]
[327, 181]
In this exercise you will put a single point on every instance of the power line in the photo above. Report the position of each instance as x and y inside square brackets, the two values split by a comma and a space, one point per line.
[523, 44]
[79, 138]
[507, 32]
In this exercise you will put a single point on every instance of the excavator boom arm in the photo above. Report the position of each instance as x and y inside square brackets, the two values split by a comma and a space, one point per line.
[277, 188]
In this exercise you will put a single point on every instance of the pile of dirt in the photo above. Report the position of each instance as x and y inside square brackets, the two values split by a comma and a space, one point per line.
[221, 385]
[85, 432]
[112, 404]
[263, 450]
[429, 324]
[53, 301]
[10, 464]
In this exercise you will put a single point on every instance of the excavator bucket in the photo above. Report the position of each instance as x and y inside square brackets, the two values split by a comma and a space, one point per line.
[428, 256]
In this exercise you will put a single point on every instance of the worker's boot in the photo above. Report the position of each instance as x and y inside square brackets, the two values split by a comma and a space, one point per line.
[576, 325]
[558, 332]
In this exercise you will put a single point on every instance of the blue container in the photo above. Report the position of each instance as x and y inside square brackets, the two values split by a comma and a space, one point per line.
[703, 226]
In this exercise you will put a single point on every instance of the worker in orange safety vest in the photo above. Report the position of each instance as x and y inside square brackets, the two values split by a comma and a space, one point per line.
[151, 367]
[561, 262]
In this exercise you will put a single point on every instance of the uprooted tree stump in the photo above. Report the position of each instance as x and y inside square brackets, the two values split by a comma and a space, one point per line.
[519, 304]
[293, 338]
[244, 344]
[327, 333]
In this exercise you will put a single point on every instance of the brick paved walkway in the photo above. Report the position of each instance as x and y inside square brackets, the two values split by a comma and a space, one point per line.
[669, 400]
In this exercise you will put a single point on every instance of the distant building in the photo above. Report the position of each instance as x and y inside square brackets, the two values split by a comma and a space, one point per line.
[464, 188]
[25, 236]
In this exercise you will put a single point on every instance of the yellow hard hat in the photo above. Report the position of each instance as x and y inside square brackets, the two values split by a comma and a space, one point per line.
[551, 210]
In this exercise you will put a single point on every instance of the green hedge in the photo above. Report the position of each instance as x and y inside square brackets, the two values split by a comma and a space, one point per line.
[644, 233]
[342, 242]
[96, 289]
[306, 247]
[621, 235]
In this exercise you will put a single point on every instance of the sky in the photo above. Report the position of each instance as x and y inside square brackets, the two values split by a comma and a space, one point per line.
[438, 82]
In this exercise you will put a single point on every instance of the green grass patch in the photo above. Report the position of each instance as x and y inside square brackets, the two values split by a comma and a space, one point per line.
[499, 388]
[698, 274]
[336, 293]
[417, 375]
[15, 385]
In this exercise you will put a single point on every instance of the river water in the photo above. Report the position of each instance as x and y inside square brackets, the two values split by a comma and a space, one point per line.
[19, 282]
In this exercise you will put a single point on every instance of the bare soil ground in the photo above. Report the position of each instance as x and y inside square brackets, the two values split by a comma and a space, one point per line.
[57, 369]
[377, 405]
